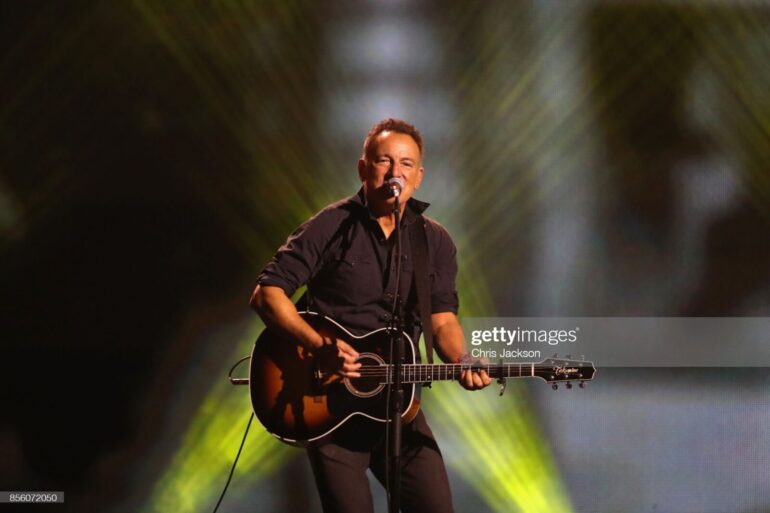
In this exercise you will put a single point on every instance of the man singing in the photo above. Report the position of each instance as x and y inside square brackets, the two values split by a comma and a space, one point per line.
[347, 257]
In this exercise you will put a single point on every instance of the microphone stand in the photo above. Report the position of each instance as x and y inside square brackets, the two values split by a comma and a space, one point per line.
[396, 390]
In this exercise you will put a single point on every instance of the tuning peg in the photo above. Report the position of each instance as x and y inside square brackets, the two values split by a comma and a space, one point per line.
[502, 382]
[555, 386]
[583, 357]
[569, 385]
[582, 384]
[568, 357]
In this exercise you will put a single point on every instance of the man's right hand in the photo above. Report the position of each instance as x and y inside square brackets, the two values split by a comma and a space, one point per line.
[280, 314]
[338, 356]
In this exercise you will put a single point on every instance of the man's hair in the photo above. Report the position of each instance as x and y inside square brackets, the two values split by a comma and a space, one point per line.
[391, 125]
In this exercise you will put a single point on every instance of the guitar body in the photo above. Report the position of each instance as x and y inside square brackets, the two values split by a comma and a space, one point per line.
[299, 402]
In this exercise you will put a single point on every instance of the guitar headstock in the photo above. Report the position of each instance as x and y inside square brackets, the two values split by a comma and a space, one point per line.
[567, 370]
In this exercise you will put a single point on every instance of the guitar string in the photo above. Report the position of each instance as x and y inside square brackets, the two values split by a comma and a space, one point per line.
[455, 367]
[425, 370]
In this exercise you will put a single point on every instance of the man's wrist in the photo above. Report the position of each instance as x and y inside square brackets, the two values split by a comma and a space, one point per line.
[464, 358]
[321, 342]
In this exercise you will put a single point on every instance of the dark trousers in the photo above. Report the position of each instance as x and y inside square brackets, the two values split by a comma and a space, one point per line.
[340, 464]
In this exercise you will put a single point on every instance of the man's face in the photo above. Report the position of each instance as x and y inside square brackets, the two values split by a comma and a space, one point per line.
[393, 155]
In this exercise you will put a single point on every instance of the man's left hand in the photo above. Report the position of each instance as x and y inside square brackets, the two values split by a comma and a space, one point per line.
[471, 380]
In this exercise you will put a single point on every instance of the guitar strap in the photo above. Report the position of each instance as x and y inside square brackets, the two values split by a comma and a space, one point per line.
[419, 242]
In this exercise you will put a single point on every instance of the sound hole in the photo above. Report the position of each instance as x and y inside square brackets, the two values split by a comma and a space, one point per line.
[372, 376]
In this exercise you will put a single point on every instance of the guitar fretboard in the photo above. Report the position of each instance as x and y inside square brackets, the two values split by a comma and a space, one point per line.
[427, 373]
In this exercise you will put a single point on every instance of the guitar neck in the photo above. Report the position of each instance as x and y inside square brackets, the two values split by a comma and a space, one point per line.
[551, 370]
[426, 373]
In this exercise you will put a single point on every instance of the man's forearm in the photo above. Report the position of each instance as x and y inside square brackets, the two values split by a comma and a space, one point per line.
[280, 315]
[450, 343]
[449, 338]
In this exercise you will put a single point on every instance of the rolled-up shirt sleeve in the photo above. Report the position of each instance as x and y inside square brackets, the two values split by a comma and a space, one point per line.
[296, 260]
[444, 271]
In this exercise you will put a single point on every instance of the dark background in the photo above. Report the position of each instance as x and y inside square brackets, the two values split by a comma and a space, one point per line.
[152, 156]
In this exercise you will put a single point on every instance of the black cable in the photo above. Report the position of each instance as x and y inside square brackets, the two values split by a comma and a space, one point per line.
[232, 470]
[230, 374]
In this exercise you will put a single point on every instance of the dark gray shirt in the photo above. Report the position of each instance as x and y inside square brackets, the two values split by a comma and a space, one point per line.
[342, 254]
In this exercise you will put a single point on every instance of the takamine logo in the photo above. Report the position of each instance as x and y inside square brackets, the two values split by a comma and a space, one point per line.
[565, 370]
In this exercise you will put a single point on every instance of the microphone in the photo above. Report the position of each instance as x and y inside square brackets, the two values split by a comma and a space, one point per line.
[396, 185]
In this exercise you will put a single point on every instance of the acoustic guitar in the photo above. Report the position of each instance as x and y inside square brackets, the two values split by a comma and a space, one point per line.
[298, 402]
